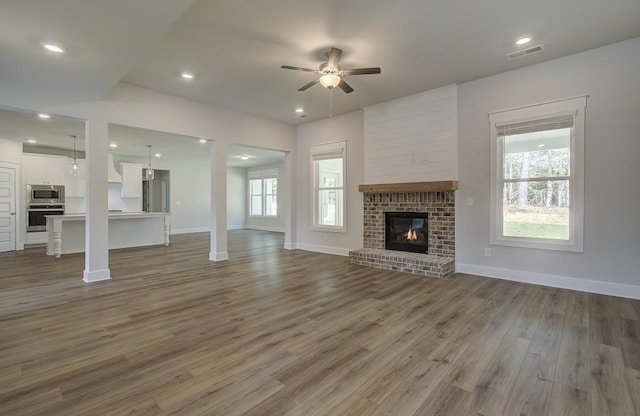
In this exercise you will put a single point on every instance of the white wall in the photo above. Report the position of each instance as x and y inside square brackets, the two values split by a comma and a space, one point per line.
[11, 151]
[413, 138]
[349, 127]
[236, 197]
[268, 224]
[611, 77]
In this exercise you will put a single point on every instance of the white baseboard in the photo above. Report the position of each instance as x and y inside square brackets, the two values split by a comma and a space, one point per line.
[290, 246]
[582, 285]
[220, 256]
[205, 229]
[323, 249]
[96, 275]
[190, 230]
[264, 228]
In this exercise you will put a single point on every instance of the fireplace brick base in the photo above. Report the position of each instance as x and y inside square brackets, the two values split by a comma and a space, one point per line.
[440, 205]
[415, 263]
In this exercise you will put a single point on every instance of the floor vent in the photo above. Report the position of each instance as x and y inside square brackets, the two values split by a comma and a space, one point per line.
[525, 52]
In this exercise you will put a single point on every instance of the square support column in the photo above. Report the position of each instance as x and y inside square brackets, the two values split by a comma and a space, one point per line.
[218, 236]
[290, 213]
[97, 221]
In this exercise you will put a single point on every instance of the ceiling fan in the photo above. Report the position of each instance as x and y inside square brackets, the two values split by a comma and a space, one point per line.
[331, 73]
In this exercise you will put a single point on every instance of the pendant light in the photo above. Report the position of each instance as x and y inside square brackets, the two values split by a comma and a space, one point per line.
[74, 167]
[149, 174]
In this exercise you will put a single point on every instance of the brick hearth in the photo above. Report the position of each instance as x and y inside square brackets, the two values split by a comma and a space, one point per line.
[440, 205]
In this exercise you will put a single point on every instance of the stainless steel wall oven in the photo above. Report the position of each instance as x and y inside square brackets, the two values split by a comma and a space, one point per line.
[36, 220]
[43, 200]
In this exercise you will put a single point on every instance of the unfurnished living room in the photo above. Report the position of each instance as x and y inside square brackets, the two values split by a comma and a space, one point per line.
[281, 208]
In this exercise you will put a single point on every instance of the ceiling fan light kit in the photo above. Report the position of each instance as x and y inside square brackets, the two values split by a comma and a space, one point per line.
[329, 81]
[331, 74]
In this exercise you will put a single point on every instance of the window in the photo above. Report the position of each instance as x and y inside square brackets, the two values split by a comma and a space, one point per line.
[263, 193]
[328, 163]
[538, 176]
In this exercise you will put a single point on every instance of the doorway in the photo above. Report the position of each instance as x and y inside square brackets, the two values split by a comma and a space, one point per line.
[7, 209]
[156, 192]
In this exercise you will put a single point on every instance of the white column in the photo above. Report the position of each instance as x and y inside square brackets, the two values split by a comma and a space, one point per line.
[289, 186]
[96, 264]
[218, 202]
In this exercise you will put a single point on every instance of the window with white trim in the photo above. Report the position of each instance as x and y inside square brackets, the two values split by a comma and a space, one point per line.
[329, 167]
[263, 193]
[537, 180]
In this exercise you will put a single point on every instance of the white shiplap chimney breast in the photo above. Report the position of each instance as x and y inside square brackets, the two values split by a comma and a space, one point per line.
[412, 139]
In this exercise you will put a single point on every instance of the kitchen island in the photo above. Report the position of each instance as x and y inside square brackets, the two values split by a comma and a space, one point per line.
[66, 233]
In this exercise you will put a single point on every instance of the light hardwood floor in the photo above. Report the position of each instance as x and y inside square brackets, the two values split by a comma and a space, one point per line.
[283, 333]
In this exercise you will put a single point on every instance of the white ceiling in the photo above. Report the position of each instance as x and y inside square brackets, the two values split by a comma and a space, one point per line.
[235, 47]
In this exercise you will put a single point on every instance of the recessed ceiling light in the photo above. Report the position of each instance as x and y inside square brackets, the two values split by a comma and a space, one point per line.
[244, 157]
[52, 47]
[202, 140]
[158, 154]
[113, 145]
[299, 110]
[523, 41]
[187, 75]
[541, 145]
[32, 141]
[44, 116]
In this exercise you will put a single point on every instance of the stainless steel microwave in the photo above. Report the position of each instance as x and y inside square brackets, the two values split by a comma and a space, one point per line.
[45, 194]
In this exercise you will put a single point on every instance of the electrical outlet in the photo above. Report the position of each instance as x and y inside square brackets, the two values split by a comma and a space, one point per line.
[487, 252]
[469, 201]
[326, 236]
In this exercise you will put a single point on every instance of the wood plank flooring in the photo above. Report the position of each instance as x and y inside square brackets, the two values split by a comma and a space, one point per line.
[286, 333]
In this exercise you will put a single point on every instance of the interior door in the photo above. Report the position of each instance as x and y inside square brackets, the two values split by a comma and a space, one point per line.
[7, 209]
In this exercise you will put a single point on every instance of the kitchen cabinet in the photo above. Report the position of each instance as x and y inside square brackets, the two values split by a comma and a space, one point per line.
[44, 170]
[131, 180]
[112, 174]
[75, 186]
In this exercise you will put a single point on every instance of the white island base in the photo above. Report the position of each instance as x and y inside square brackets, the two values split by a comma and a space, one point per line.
[65, 233]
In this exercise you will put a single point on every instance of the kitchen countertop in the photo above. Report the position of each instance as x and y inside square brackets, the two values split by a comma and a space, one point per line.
[111, 215]
[66, 233]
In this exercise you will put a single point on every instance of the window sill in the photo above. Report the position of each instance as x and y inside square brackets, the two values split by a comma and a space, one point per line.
[329, 229]
[538, 243]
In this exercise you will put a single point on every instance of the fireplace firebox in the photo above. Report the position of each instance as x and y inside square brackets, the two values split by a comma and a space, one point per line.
[406, 231]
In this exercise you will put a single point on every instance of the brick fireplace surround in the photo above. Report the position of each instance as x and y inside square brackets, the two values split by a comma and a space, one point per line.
[435, 198]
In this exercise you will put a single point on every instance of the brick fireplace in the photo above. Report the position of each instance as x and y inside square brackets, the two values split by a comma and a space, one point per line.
[437, 200]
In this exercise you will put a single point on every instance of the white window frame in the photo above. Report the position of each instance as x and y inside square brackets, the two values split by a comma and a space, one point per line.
[261, 175]
[575, 106]
[322, 152]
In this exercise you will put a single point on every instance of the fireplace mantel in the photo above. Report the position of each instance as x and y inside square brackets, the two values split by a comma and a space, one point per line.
[410, 187]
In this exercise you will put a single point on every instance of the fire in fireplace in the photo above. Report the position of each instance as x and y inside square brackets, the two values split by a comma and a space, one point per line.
[406, 231]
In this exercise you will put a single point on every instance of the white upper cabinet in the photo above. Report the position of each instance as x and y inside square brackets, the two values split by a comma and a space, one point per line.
[75, 186]
[112, 174]
[131, 180]
[44, 170]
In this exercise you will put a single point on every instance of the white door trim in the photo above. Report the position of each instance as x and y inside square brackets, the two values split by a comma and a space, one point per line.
[15, 168]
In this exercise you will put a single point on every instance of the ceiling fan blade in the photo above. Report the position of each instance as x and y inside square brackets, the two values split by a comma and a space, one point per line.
[297, 68]
[345, 87]
[361, 71]
[309, 85]
[334, 57]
